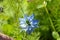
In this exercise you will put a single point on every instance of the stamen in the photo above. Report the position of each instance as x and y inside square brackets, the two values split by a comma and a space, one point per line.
[28, 22]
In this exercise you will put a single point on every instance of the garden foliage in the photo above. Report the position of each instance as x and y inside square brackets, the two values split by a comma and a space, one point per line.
[47, 12]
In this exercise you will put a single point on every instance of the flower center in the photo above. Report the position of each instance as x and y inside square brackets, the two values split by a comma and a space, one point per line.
[28, 22]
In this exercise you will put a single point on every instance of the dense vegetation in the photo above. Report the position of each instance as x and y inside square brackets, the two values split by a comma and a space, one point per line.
[47, 12]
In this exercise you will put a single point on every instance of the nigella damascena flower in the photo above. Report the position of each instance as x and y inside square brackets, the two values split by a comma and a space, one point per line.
[28, 23]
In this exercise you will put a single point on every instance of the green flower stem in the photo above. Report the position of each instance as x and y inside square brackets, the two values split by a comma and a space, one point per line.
[50, 19]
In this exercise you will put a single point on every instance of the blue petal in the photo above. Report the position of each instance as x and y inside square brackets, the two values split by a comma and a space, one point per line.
[24, 29]
[34, 26]
[30, 18]
[23, 26]
[25, 16]
[30, 29]
[34, 22]
[22, 20]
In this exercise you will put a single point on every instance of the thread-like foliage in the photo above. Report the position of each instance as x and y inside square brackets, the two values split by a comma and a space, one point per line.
[47, 12]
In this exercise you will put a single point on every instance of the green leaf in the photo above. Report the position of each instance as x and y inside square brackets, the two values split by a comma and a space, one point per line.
[55, 34]
[58, 38]
[43, 5]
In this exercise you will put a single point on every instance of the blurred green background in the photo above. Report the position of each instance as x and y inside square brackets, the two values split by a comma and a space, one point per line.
[46, 11]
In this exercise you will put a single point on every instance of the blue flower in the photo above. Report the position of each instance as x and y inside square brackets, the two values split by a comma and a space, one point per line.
[28, 23]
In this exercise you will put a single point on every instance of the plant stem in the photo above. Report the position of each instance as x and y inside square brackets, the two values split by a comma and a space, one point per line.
[50, 19]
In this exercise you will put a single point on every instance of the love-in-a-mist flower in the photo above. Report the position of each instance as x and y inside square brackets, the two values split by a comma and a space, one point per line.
[28, 23]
